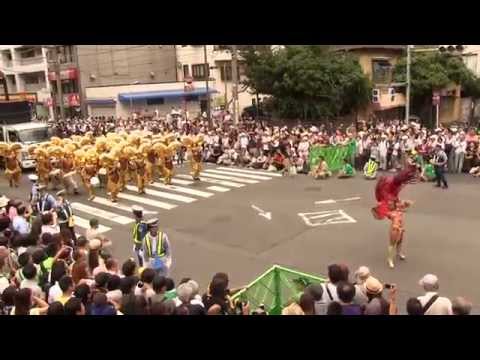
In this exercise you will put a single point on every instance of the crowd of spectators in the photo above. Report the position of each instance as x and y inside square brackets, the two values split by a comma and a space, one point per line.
[258, 145]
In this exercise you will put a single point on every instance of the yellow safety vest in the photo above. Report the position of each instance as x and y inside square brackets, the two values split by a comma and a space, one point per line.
[136, 229]
[371, 168]
[160, 248]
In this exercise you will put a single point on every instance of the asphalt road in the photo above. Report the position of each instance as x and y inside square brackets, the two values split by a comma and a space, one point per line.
[218, 230]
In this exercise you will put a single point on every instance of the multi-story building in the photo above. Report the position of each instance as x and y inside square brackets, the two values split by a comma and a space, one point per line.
[26, 71]
[121, 79]
[378, 62]
[191, 63]
[69, 76]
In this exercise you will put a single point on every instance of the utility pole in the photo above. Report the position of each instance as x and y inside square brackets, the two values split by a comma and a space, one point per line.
[225, 83]
[207, 76]
[3, 78]
[235, 84]
[407, 100]
[56, 64]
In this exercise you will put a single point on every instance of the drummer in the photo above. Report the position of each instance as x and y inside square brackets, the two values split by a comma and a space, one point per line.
[68, 167]
[56, 175]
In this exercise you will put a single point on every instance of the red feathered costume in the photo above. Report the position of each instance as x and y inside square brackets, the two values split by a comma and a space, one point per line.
[388, 188]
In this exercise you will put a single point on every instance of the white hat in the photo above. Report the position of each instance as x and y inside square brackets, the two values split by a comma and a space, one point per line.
[362, 272]
[137, 208]
[429, 280]
[95, 244]
[32, 177]
[3, 201]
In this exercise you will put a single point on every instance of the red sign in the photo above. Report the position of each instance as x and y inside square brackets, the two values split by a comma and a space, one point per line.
[436, 98]
[49, 102]
[69, 74]
[188, 84]
[73, 100]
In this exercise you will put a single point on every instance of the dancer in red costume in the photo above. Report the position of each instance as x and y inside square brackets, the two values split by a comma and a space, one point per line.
[389, 206]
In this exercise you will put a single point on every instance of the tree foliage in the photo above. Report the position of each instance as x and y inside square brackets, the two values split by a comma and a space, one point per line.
[307, 80]
[434, 71]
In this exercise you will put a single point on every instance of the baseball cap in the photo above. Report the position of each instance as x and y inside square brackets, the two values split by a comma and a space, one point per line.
[428, 279]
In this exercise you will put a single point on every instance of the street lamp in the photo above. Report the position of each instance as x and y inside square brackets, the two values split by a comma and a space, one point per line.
[407, 100]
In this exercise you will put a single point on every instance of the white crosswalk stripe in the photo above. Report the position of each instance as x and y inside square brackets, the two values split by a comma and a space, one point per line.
[183, 182]
[223, 177]
[248, 176]
[218, 188]
[254, 172]
[147, 201]
[85, 224]
[218, 182]
[165, 195]
[118, 206]
[119, 219]
[184, 190]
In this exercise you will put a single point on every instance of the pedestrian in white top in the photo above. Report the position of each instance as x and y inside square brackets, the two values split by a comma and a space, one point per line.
[432, 303]
[460, 150]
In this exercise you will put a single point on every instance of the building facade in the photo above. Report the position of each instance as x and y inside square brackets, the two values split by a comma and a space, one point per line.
[378, 62]
[26, 71]
[120, 79]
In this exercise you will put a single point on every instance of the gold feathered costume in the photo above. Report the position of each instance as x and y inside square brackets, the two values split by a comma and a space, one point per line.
[13, 170]
[194, 147]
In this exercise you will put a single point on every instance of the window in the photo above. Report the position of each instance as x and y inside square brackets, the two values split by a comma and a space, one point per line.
[199, 71]
[228, 70]
[186, 71]
[381, 71]
[157, 101]
[27, 53]
[31, 79]
[69, 86]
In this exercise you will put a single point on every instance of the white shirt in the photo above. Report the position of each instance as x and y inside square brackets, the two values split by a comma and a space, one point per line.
[32, 285]
[461, 147]
[441, 306]
[54, 293]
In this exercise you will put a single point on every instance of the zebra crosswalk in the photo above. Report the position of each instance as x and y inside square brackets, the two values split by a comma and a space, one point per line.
[160, 197]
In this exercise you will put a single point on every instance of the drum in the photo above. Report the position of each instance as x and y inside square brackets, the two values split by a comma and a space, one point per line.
[55, 172]
[102, 171]
[95, 182]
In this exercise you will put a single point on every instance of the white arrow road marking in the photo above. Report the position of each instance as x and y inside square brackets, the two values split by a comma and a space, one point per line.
[331, 201]
[266, 215]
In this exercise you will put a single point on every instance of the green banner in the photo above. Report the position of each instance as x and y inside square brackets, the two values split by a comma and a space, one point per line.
[276, 289]
[333, 155]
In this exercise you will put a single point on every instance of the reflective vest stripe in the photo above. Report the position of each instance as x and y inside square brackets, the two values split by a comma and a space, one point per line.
[160, 248]
[371, 168]
[136, 229]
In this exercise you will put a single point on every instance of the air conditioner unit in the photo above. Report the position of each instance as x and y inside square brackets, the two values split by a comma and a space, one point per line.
[376, 96]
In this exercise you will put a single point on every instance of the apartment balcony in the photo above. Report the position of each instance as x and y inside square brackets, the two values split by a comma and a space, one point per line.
[35, 87]
[30, 61]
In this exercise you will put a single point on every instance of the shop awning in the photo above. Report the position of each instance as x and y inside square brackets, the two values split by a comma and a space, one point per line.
[98, 101]
[124, 97]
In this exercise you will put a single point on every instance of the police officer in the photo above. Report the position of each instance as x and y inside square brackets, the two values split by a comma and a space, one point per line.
[34, 193]
[138, 233]
[46, 202]
[439, 162]
[157, 253]
[65, 214]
